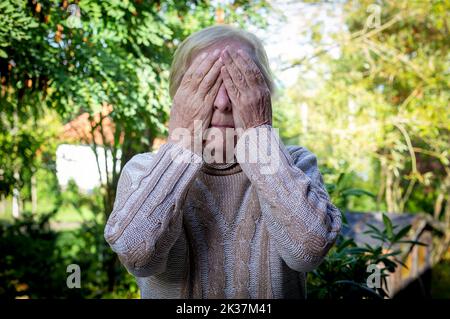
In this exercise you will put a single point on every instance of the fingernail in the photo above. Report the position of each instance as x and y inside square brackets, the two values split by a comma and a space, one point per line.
[203, 55]
[216, 52]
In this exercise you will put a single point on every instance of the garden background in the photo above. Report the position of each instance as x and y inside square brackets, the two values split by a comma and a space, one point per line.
[362, 84]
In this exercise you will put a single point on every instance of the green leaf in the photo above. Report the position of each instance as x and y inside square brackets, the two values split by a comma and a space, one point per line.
[357, 192]
[402, 233]
[388, 226]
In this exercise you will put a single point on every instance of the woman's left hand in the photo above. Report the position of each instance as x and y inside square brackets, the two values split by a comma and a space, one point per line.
[247, 89]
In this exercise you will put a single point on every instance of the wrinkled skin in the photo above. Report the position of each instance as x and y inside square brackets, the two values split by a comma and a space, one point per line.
[195, 96]
[247, 89]
[225, 91]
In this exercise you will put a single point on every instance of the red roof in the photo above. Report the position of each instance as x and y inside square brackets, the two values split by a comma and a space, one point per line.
[80, 129]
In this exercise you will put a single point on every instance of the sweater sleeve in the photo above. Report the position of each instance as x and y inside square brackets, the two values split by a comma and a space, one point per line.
[297, 210]
[146, 219]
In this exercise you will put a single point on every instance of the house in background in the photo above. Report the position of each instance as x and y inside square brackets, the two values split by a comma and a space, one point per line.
[78, 163]
[76, 159]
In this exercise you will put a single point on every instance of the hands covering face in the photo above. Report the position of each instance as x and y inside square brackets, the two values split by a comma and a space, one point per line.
[195, 96]
[245, 85]
[247, 89]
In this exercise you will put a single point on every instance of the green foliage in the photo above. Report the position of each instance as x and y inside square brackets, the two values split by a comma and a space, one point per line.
[376, 99]
[35, 257]
[118, 53]
[14, 25]
[344, 274]
[25, 148]
[29, 265]
[441, 278]
[378, 119]
[104, 58]
[342, 189]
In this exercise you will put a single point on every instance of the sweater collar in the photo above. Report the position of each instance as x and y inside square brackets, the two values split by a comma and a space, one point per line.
[221, 169]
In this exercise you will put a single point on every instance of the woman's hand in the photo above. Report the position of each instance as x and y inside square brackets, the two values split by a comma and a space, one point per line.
[194, 99]
[247, 89]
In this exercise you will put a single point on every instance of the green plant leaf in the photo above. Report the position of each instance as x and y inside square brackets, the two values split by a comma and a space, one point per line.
[388, 226]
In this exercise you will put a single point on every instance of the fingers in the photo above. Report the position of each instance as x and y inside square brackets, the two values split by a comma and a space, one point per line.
[205, 66]
[210, 79]
[252, 72]
[231, 88]
[212, 92]
[233, 94]
[188, 75]
[248, 69]
[206, 121]
[208, 108]
[233, 69]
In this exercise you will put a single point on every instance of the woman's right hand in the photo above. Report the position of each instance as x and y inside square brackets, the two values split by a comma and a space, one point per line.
[194, 99]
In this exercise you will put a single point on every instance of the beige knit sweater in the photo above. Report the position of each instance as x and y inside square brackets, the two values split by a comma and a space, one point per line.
[187, 229]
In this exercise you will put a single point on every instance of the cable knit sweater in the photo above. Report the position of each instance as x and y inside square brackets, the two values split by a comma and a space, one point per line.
[186, 229]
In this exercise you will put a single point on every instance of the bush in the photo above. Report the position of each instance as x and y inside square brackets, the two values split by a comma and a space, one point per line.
[344, 272]
[31, 264]
[35, 259]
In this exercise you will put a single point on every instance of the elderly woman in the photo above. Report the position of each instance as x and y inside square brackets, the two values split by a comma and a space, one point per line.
[189, 223]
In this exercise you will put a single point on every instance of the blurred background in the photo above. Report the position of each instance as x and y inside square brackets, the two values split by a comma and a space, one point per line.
[362, 84]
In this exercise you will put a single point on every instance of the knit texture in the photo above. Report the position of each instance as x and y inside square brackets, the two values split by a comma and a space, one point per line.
[186, 229]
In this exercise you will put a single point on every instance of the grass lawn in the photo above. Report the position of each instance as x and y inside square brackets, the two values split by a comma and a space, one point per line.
[66, 213]
[70, 211]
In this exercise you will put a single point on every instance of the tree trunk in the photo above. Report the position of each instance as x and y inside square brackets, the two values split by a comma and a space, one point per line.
[129, 148]
[16, 203]
[33, 195]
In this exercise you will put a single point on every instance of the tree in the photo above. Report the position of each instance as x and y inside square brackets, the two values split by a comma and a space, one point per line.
[84, 56]
[380, 106]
